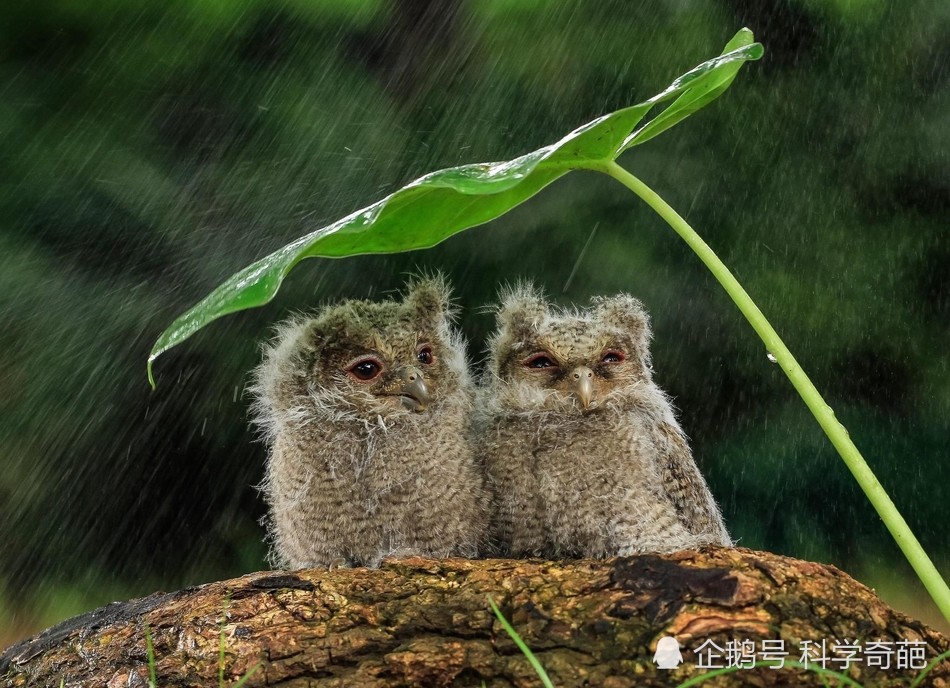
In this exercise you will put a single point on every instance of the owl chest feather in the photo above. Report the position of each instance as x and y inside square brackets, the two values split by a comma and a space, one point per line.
[578, 457]
[371, 463]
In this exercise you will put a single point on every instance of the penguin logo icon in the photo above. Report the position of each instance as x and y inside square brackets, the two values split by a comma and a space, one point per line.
[668, 655]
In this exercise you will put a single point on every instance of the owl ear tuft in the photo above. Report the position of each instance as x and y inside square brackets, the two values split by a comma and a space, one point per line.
[334, 321]
[430, 299]
[522, 308]
[628, 314]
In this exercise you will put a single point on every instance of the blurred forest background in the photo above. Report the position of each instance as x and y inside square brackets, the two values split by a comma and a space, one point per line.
[149, 149]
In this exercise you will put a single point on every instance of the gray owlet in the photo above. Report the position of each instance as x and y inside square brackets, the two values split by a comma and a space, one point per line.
[366, 411]
[582, 449]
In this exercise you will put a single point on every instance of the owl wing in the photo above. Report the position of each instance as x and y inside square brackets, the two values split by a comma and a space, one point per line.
[686, 488]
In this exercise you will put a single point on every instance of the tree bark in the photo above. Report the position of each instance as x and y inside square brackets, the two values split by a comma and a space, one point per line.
[419, 622]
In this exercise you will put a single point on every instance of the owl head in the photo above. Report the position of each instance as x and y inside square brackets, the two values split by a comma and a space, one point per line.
[546, 358]
[364, 360]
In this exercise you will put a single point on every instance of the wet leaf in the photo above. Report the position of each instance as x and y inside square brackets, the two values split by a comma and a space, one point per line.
[432, 208]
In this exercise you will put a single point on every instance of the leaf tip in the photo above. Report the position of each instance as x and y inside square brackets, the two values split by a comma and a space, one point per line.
[744, 38]
[148, 370]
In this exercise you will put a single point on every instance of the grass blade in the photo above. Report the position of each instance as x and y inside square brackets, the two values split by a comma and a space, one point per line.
[789, 664]
[245, 677]
[930, 667]
[525, 650]
[150, 658]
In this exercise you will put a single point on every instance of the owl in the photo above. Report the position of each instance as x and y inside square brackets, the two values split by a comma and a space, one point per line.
[582, 450]
[366, 410]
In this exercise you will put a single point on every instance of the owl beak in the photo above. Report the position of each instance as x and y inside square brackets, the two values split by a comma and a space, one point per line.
[582, 384]
[414, 394]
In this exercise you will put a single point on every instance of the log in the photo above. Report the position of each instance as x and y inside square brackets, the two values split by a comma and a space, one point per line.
[420, 622]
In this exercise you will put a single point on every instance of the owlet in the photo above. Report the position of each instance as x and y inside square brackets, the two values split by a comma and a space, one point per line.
[366, 412]
[582, 449]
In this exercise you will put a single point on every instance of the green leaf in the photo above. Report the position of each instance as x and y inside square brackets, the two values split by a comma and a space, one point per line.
[700, 95]
[432, 208]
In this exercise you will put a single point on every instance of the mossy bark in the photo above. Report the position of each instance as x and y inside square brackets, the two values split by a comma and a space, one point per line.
[419, 622]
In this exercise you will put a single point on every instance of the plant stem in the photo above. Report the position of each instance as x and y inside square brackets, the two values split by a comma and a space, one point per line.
[823, 413]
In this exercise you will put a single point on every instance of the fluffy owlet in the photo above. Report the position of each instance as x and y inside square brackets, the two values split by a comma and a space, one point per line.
[582, 449]
[366, 411]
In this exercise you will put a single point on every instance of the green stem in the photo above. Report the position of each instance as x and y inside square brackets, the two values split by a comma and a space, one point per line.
[836, 432]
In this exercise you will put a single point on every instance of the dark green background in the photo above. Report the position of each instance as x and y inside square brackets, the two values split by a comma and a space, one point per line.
[150, 149]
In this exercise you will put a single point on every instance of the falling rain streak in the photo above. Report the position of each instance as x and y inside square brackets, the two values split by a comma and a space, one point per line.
[149, 152]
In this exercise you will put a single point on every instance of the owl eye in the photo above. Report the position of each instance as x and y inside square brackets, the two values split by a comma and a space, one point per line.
[539, 361]
[613, 356]
[425, 355]
[365, 369]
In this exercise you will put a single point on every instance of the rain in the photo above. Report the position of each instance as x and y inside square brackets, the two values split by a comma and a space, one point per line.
[150, 150]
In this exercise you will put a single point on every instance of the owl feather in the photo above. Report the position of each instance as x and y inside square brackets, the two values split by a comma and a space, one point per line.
[365, 408]
[583, 451]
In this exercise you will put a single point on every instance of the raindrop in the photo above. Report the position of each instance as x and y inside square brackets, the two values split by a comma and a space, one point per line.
[580, 257]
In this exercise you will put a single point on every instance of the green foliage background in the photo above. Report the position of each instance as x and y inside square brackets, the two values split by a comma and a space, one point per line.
[150, 149]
